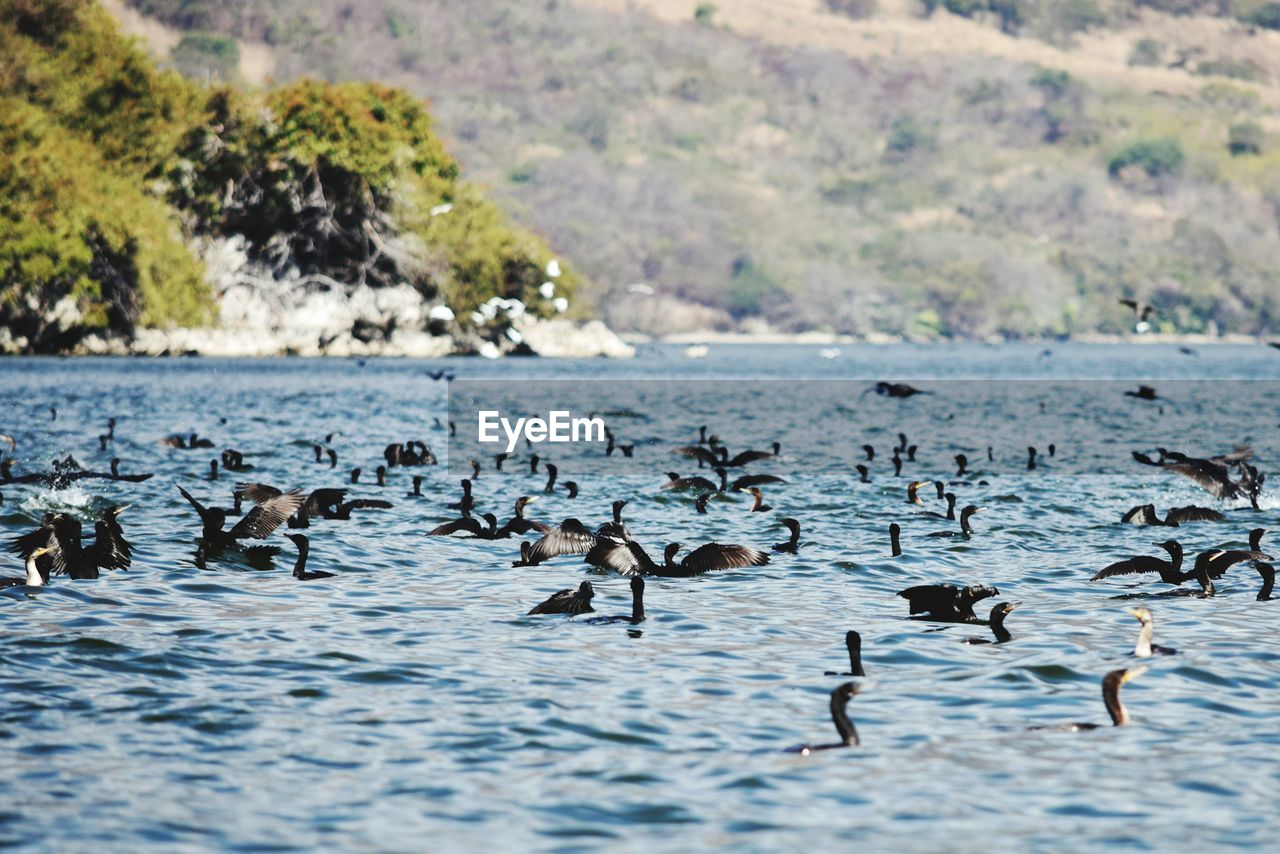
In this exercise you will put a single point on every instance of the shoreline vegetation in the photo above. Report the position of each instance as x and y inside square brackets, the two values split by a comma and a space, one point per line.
[141, 212]
[190, 188]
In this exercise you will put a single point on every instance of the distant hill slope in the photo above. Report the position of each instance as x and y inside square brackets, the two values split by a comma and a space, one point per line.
[849, 165]
[116, 177]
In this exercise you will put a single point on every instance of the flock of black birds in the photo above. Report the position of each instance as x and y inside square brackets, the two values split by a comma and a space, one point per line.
[57, 547]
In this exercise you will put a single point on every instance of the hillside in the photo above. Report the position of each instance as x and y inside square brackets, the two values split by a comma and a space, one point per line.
[861, 167]
[134, 200]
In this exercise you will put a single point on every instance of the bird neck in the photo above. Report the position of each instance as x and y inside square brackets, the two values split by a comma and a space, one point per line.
[724, 480]
[894, 542]
[1268, 574]
[301, 565]
[1143, 649]
[844, 726]
[855, 658]
[637, 605]
[1115, 708]
[34, 578]
[964, 523]
[998, 629]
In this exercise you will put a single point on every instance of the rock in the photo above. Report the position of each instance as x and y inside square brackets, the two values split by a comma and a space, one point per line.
[562, 339]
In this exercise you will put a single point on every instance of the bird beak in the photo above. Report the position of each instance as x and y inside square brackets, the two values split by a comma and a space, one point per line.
[122, 508]
[1013, 606]
[1135, 613]
[1133, 674]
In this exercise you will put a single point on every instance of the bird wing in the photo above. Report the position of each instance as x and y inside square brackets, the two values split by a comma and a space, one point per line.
[750, 480]
[716, 556]
[927, 598]
[1178, 515]
[270, 514]
[748, 457]
[561, 602]
[110, 549]
[450, 528]
[258, 493]
[570, 538]
[200, 508]
[366, 504]
[624, 557]
[1142, 515]
[1130, 303]
[1141, 563]
[1144, 459]
[1209, 475]
[1219, 560]
[42, 537]
[700, 453]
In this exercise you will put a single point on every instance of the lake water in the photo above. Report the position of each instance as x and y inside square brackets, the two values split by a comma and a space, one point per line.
[409, 703]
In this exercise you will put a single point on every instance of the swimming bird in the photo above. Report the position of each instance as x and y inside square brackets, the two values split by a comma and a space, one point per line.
[895, 534]
[518, 525]
[700, 503]
[333, 458]
[1215, 562]
[552, 471]
[1144, 392]
[913, 491]
[1031, 459]
[59, 535]
[630, 558]
[468, 525]
[466, 502]
[947, 602]
[213, 469]
[704, 456]
[417, 487]
[888, 389]
[1215, 477]
[233, 460]
[1170, 571]
[950, 515]
[300, 567]
[571, 487]
[853, 643]
[499, 459]
[965, 530]
[1002, 635]
[1110, 697]
[33, 577]
[130, 478]
[380, 476]
[1146, 515]
[569, 601]
[272, 508]
[355, 475]
[682, 484]
[840, 698]
[870, 452]
[792, 545]
[1268, 573]
[758, 505]
[864, 475]
[533, 464]
[1145, 648]
[962, 465]
[570, 537]
[747, 481]
[637, 606]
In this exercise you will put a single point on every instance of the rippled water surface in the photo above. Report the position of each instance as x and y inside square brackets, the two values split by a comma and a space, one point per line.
[409, 703]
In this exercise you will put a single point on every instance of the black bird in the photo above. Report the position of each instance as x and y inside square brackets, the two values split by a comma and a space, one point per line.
[272, 508]
[518, 525]
[381, 472]
[681, 484]
[700, 504]
[417, 487]
[998, 613]
[746, 457]
[947, 602]
[571, 602]
[355, 475]
[468, 525]
[888, 389]
[213, 469]
[747, 481]
[1110, 697]
[130, 478]
[65, 553]
[871, 452]
[895, 544]
[1215, 477]
[758, 505]
[637, 606]
[1170, 571]
[300, 568]
[1141, 310]
[233, 460]
[333, 458]
[1031, 459]
[570, 537]
[1145, 648]
[1216, 562]
[793, 544]
[319, 449]
[552, 471]
[499, 459]
[853, 643]
[840, 698]
[1268, 573]
[466, 502]
[1146, 515]
[1144, 392]
[33, 577]
[533, 464]
[475, 469]
[571, 487]
[962, 465]
[950, 515]
[965, 530]
[704, 456]
[864, 475]
[343, 511]
[630, 558]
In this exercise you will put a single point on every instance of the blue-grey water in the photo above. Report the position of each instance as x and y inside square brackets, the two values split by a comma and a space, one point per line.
[409, 704]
